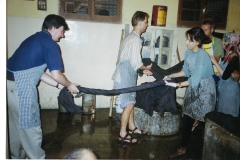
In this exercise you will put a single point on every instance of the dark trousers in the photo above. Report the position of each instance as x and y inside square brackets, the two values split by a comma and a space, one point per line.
[187, 129]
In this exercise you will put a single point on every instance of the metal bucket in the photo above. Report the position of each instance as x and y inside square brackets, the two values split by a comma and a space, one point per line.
[61, 108]
[89, 103]
[155, 124]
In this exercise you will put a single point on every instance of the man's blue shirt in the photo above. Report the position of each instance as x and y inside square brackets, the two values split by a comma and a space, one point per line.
[35, 51]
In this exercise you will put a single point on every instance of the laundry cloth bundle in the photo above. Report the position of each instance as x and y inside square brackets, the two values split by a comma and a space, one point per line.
[66, 98]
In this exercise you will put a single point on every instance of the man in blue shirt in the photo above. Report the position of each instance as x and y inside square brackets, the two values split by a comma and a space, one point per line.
[24, 70]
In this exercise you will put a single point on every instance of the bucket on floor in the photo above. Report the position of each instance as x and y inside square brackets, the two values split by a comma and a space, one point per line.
[61, 108]
[88, 103]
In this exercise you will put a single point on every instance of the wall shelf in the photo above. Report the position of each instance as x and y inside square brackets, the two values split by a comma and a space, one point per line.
[159, 44]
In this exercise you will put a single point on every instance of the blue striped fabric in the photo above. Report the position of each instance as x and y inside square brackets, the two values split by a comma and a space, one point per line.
[26, 82]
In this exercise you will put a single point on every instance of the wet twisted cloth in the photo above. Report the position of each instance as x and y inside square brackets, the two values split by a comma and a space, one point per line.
[151, 96]
[159, 73]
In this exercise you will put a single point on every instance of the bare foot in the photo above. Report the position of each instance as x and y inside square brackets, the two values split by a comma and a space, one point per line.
[195, 124]
[181, 151]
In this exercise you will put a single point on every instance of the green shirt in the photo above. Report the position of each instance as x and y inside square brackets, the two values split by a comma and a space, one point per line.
[217, 47]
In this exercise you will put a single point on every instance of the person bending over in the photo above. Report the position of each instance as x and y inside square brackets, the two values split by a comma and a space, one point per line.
[25, 68]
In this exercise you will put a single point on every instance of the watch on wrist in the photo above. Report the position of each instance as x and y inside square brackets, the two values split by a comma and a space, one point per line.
[57, 85]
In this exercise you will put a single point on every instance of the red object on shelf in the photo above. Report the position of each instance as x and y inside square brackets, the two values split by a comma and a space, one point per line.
[159, 15]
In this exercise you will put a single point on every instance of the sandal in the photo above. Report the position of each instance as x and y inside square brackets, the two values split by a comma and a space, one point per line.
[132, 132]
[126, 139]
[177, 153]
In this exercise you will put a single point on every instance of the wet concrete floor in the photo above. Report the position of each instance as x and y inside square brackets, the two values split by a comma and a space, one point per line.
[64, 132]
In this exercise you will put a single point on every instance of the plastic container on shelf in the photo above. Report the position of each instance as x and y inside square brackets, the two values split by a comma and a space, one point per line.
[159, 15]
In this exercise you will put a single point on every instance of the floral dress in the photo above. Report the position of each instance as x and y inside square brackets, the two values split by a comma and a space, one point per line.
[200, 96]
[228, 100]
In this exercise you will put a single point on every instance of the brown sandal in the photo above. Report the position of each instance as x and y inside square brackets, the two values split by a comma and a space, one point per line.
[125, 139]
[177, 153]
[132, 132]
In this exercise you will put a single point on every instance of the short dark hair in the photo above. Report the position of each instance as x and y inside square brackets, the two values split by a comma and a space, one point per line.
[197, 34]
[81, 153]
[210, 22]
[139, 16]
[56, 21]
